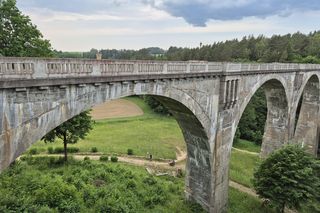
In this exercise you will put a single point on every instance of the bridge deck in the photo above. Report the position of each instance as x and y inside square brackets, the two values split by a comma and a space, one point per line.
[44, 68]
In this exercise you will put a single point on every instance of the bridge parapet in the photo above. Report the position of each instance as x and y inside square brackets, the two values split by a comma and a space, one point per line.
[32, 68]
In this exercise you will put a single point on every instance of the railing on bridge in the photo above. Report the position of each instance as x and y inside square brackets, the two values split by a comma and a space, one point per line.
[58, 68]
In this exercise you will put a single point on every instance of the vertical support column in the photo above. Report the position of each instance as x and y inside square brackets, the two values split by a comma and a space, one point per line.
[276, 129]
[307, 129]
[221, 160]
[199, 159]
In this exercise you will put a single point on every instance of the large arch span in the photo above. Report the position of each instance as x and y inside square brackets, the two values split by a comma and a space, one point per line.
[38, 111]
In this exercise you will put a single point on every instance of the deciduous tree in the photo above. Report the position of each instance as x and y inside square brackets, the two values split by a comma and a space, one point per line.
[71, 131]
[288, 177]
[18, 36]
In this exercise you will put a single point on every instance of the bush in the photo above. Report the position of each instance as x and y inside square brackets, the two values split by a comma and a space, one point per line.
[94, 149]
[73, 149]
[33, 151]
[24, 157]
[288, 177]
[60, 150]
[50, 150]
[86, 158]
[130, 152]
[114, 159]
[104, 158]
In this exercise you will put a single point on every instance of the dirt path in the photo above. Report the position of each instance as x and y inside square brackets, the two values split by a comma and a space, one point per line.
[181, 156]
[245, 151]
[243, 188]
[116, 109]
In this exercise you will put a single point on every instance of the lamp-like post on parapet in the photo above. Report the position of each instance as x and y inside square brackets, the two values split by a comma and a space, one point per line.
[98, 55]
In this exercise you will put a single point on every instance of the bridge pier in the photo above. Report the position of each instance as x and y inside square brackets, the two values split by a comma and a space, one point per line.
[276, 132]
[307, 128]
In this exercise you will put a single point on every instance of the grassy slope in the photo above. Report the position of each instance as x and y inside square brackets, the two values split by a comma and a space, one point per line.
[27, 183]
[247, 145]
[149, 132]
[242, 166]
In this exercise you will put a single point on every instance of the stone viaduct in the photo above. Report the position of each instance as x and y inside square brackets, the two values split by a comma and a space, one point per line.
[206, 98]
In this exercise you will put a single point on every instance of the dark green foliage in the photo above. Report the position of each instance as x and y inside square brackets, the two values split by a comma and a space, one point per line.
[251, 125]
[130, 151]
[295, 47]
[43, 185]
[288, 177]
[33, 151]
[71, 131]
[150, 53]
[104, 158]
[18, 36]
[237, 136]
[86, 158]
[60, 150]
[94, 149]
[114, 159]
[50, 150]
[155, 105]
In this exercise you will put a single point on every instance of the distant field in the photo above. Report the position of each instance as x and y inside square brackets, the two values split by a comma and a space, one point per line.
[146, 133]
[116, 109]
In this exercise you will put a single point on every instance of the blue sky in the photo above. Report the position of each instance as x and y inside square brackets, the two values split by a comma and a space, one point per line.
[79, 25]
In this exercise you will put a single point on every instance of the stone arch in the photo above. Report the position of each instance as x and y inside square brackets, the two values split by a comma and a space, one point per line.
[69, 101]
[276, 126]
[306, 130]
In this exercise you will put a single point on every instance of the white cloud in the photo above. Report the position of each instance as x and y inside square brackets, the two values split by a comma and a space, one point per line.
[136, 24]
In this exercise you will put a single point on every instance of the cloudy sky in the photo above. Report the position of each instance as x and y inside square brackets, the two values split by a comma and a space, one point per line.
[79, 25]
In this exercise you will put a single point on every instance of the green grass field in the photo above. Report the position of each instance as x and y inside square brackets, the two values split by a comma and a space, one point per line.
[242, 167]
[240, 202]
[148, 133]
[247, 145]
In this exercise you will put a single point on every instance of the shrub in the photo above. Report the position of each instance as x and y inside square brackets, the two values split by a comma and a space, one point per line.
[130, 152]
[60, 150]
[50, 150]
[114, 159]
[33, 151]
[73, 149]
[104, 158]
[150, 180]
[94, 149]
[86, 158]
[24, 158]
[131, 184]
[288, 177]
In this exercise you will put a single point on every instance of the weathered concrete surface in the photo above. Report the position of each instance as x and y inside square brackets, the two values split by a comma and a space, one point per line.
[207, 100]
[307, 129]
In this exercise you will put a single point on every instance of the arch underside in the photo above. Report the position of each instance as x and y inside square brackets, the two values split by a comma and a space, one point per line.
[276, 125]
[28, 116]
[307, 127]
